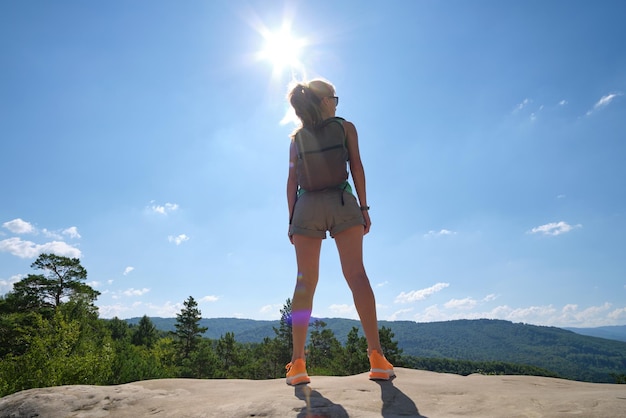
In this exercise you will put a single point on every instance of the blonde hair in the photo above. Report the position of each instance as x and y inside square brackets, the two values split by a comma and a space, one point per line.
[306, 98]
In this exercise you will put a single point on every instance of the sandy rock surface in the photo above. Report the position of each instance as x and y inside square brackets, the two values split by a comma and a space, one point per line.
[413, 393]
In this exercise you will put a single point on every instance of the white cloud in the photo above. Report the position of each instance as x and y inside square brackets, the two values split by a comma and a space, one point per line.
[7, 285]
[266, 309]
[209, 298]
[167, 310]
[591, 316]
[570, 308]
[522, 105]
[178, 239]
[341, 308]
[135, 292]
[431, 314]
[51, 234]
[440, 233]
[530, 313]
[416, 295]
[19, 226]
[398, 314]
[28, 249]
[618, 315]
[563, 102]
[164, 209]
[554, 228]
[489, 298]
[117, 310]
[467, 303]
[128, 270]
[568, 316]
[603, 102]
[71, 232]
[94, 283]
[382, 284]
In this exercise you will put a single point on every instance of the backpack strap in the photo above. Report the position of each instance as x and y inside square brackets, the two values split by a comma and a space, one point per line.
[335, 119]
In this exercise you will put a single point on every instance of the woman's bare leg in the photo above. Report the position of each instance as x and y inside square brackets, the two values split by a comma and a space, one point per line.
[350, 247]
[308, 260]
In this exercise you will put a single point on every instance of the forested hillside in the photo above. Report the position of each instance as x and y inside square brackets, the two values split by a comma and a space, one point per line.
[51, 334]
[566, 353]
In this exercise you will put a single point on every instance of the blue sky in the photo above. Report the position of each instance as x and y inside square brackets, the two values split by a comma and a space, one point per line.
[145, 138]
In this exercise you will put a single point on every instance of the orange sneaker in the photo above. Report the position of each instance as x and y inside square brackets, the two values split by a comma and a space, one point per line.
[296, 373]
[380, 369]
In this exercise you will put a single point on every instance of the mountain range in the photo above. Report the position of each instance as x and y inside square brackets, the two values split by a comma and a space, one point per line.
[585, 354]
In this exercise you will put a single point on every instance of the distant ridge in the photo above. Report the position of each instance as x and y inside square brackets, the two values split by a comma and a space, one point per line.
[569, 354]
[617, 332]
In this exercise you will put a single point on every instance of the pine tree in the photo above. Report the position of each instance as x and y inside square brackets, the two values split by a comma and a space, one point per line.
[63, 281]
[355, 352]
[283, 340]
[229, 354]
[146, 333]
[323, 348]
[389, 346]
[188, 330]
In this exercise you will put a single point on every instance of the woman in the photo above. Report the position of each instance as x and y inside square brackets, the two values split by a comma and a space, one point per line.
[320, 199]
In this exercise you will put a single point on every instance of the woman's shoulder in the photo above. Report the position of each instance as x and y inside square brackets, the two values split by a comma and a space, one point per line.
[343, 121]
[348, 126]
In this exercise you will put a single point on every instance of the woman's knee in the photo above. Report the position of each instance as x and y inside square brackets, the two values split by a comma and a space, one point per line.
[357, 280]
[306, 284]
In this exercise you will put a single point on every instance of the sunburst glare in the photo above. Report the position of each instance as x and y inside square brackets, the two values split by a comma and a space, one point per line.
[283, 50]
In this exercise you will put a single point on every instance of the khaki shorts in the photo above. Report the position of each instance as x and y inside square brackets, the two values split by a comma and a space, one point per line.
[318, 212]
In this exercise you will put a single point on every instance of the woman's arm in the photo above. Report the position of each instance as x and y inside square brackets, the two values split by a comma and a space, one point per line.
[356, 168]
[292, 181]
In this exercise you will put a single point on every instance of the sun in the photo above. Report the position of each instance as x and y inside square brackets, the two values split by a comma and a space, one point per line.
[283, 50]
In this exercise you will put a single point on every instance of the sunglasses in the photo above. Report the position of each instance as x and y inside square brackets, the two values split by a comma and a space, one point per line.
[335, 98]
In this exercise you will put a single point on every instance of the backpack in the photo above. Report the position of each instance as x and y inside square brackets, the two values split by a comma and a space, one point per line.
[322, 155]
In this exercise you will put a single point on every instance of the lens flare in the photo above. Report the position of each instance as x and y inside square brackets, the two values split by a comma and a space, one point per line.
[300, 317]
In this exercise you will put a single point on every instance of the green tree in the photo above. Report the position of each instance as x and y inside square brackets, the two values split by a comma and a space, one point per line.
[283, 341]
[389, 346]
[62, 281]
[120, 330]
[188, 330]
[269, 364]
[619, 378]
[355, 353]
[58, 354]
[202, 362]
[229, 355]
[16, 328]
[323, 348]
[137, 362]
[146, 333]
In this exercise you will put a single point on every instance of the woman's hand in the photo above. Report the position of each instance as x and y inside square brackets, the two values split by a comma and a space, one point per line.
[368, 222]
